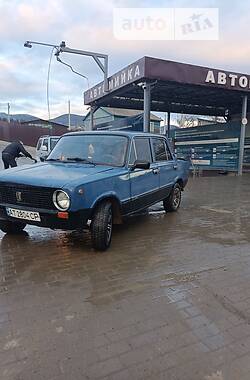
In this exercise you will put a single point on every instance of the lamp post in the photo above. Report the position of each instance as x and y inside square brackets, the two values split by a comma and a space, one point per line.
[8, 110]
[69, 115]
[62, 48]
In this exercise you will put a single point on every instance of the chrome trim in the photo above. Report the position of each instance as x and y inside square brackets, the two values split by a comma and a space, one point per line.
[19, 196]
[153, 191]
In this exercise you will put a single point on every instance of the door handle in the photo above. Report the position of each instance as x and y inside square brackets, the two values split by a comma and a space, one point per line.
[156, 171]
[175, 166]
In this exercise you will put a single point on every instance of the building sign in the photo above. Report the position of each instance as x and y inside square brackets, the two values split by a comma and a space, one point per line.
[229, 79]
[214, 146]
[128, 75]
[246, 160]
[195, 75]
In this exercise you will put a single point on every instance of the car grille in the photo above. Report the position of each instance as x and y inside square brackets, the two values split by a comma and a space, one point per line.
[23, 195]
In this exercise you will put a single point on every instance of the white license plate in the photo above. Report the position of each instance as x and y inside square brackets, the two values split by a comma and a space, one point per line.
[23, 214]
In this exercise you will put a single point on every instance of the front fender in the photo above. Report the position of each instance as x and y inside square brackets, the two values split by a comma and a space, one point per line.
[107, 195]
[116, 206]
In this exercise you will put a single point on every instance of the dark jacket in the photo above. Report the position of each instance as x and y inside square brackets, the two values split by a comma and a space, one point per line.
[14, 149]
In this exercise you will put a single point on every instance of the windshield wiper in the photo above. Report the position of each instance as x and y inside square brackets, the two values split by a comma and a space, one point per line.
[79, 159]
[53, 159]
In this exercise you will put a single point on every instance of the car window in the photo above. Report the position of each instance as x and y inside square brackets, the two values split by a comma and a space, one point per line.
[46, 143]
[143, 150]
[170, 157]
[132, 155]
[53, 143]
[160, 149]
[39, 144]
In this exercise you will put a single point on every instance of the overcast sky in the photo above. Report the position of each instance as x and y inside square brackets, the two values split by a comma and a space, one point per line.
[87, 24]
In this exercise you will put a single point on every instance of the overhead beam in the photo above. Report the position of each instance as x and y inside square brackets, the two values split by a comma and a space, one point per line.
[137, 98]
[166, 107]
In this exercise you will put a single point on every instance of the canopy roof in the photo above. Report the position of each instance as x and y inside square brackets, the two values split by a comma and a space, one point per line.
[176, 87]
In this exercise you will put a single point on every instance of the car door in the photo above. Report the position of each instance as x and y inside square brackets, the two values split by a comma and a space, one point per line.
[144, 184]
[166, 164]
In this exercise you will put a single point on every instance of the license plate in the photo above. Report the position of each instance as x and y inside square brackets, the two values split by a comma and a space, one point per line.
[23, 214]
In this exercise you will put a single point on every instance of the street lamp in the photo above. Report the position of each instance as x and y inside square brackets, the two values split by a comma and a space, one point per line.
[62, 48]
[27, 44]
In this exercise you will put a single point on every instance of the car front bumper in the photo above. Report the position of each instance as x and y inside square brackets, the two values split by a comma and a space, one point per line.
[50, 218]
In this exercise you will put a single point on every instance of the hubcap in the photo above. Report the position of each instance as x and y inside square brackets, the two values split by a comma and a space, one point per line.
[176, 197]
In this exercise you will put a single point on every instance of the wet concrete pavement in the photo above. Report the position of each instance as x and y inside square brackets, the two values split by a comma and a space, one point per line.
[169, 300]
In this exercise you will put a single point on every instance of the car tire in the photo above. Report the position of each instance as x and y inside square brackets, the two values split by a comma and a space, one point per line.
[173, 201]
[10, 227]
[102, 226]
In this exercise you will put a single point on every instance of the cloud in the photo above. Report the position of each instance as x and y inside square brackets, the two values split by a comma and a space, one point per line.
[27, 89]
[13, 84]
[21, 20]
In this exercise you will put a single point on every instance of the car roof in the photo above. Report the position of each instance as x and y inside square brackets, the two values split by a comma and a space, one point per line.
[49, 136]
[114, 133]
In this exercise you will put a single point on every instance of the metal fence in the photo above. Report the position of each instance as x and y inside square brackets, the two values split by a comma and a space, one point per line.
[28, 134]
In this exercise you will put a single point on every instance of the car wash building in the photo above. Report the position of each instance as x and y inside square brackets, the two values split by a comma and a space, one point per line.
[151, 84]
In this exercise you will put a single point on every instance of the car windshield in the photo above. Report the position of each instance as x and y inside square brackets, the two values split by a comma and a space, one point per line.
[91, 149]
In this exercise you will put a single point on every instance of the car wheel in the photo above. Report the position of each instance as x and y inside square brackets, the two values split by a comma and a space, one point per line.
[173, 201]
[11, 227]
[102, 226]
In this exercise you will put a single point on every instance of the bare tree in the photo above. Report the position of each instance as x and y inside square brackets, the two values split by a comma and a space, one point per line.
[185, 121]
[189, 121]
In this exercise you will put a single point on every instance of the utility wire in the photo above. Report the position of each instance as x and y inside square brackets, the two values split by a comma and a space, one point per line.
[71, 68]
[48, 78]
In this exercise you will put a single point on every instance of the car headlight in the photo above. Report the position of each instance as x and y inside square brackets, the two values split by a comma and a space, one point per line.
[61, 200]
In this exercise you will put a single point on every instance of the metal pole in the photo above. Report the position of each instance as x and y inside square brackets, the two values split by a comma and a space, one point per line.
[106, 84]
[69, 116]
[165, 124]
[168, 135]
[96, 57]
[242, 134]
[146, 109]
[62, 48]
[8, 105]
[91, 118]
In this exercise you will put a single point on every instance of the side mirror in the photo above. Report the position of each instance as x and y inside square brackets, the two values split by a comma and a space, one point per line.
[44, 148]
[141, 165]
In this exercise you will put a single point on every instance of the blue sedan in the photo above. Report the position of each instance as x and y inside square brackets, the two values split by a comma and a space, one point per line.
[92, 180]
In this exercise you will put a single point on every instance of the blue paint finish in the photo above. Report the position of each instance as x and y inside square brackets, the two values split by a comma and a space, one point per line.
[114, 183]
[143, 181]
[54, 174]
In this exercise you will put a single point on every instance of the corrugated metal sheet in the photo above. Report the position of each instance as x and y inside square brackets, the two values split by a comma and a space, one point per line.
[26, 133]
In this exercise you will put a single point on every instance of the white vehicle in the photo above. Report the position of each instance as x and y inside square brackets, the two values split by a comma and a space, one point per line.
[44, 146]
